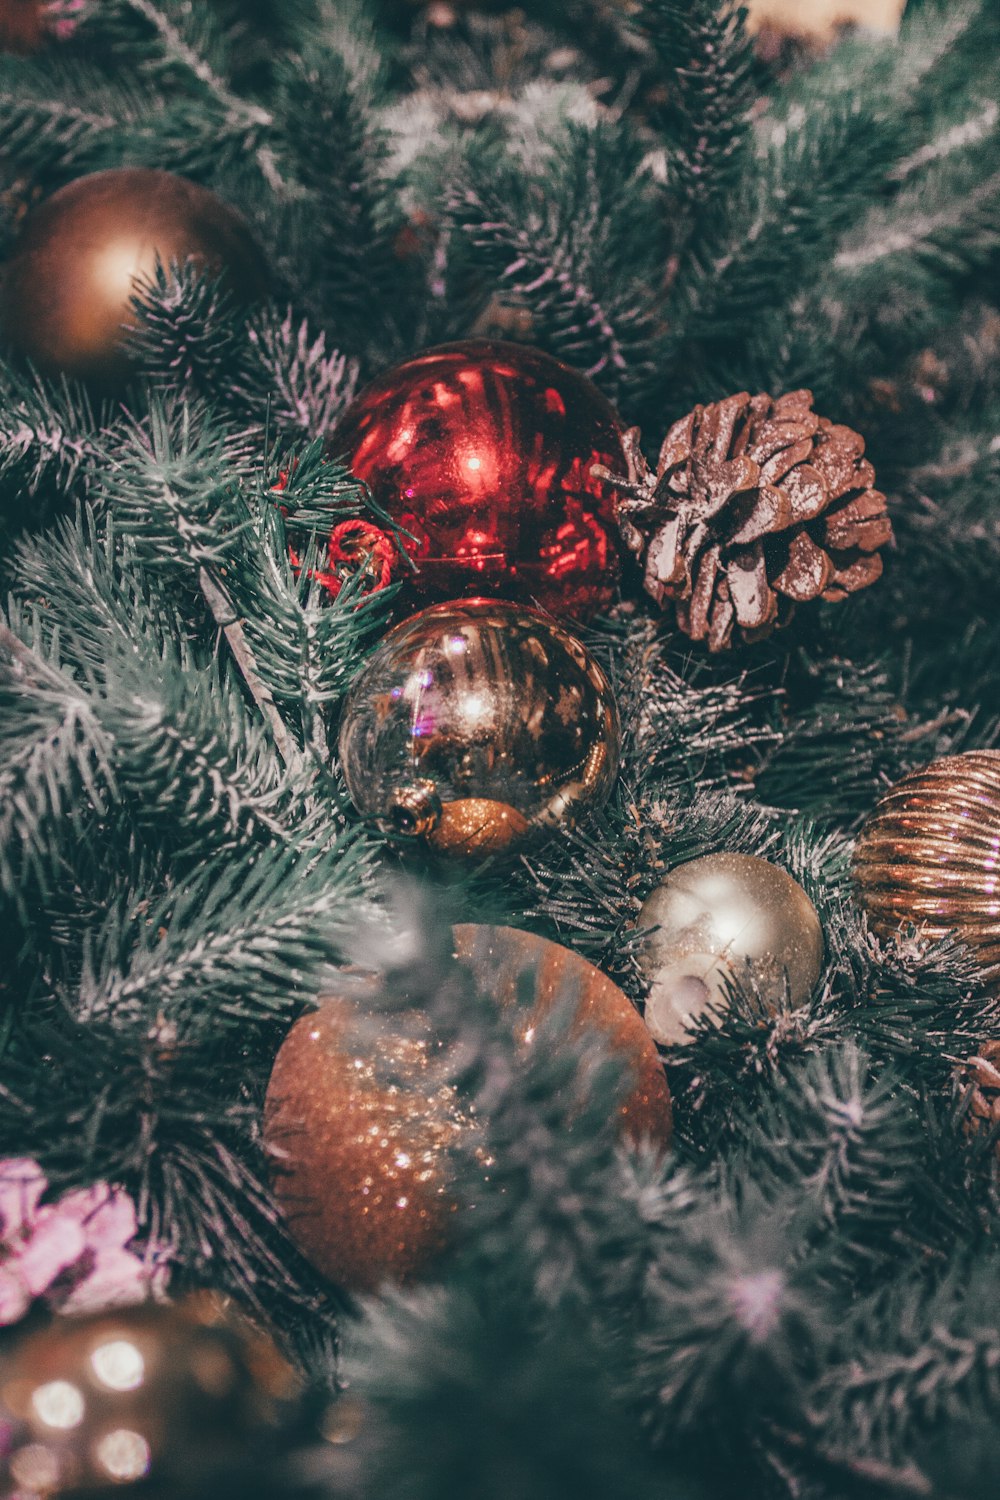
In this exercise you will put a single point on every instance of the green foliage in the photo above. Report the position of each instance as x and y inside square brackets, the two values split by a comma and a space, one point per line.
[577, 244]
[56, 759]
[727, 1311]
[918, 1359]
[174, 490]
[705, 114]
[52, 440]
[345, 220]
[293, 380]
[799, 1300]
[822, 158]
[843, 1140]
[531, 1413]
[187, 332]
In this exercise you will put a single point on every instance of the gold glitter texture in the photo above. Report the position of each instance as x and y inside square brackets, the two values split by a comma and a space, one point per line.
[362, 1167]
[477, 825]
[361, 1164]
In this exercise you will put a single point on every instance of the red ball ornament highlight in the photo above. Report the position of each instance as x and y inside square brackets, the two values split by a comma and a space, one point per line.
[483, 452]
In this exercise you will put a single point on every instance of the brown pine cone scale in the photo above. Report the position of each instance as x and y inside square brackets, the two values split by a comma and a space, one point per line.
[982, 1073]
[756, 505]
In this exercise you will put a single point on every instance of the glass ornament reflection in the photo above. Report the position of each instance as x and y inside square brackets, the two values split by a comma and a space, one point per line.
[479, 727]
[141, 1399]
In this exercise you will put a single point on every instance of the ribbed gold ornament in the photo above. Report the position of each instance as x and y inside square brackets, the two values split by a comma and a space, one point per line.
[930, 854]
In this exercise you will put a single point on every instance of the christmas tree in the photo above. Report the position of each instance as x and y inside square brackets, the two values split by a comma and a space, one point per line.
[206, 826]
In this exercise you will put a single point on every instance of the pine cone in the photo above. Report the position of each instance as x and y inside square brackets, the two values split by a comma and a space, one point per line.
[756, 505]
[983, 1072]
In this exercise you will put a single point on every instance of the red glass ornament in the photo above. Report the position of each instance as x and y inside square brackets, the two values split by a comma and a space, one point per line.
[482, 451]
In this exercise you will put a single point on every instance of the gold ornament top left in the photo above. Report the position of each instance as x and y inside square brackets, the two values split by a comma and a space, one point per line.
[67, 288]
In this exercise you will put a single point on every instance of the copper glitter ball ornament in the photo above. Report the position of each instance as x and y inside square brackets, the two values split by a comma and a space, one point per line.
[362, 1165]
[152, 1399]
[65, 300]
[483, 452]
[479, 727]
[721, 918]
[929, 854]
[500, 956]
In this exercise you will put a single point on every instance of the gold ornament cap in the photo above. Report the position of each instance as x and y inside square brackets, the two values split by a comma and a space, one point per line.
[717, 919]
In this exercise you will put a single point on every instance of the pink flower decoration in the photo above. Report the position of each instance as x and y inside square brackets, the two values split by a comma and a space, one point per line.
[79, 1242]
[22, 1183]
[61, 17]
[15, 1299]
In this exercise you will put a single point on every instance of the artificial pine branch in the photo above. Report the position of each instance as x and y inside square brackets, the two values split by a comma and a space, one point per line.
[54, 745]
[937, 1343]
[509, 1431]
[186, 40]
[295, 380]
[845, 1137]
[178, 734]
[811, 183]
[553, 242]
[939, 228]
[850, 732]
[797, 1302]
[705, 65]
[730, 1301]
[57, 120]
[188, 332]
[220, 603]
[182, 476]
[52, 440]
[349, 255]
[309, 645]
[240, 947]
